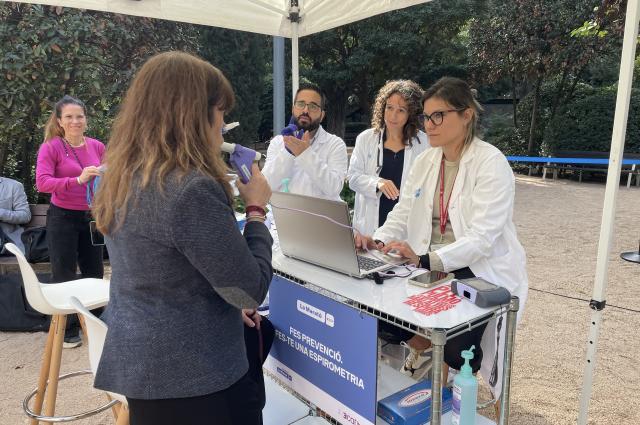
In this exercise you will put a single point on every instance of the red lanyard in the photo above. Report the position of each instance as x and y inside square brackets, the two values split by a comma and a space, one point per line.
[444, 209]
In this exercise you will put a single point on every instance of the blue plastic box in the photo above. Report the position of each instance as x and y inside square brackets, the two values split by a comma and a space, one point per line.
[412, 406]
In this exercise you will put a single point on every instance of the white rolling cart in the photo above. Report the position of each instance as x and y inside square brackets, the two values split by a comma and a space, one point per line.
[386, 302]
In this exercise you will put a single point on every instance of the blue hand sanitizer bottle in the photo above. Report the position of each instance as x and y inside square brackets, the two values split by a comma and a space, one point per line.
[465, 393]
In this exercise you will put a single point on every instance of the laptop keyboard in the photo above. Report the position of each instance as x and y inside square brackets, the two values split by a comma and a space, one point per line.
[366, 263]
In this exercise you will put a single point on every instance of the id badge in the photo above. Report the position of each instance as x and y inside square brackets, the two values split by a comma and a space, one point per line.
[97, 238]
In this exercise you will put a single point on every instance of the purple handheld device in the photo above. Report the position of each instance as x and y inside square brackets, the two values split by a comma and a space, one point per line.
[241, 159]
[292, 130]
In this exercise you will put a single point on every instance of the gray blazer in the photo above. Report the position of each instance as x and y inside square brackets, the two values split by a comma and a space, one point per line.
[14, 210]
[181, 272]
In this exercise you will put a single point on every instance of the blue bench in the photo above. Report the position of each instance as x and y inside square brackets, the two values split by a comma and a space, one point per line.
[630, 166]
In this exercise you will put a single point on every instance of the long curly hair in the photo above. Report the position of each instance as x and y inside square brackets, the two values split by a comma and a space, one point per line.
[412, 93]
[164, 125]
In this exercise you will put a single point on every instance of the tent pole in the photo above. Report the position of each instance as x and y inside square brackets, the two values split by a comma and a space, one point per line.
[295, 72]
[278, 84]
[294, 17]
[598, 301]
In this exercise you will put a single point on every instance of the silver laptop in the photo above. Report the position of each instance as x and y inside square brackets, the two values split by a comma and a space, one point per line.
[317, 240]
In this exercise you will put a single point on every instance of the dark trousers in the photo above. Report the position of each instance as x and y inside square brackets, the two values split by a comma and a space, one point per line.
[237, 405]
[240, 404]
[69, 241]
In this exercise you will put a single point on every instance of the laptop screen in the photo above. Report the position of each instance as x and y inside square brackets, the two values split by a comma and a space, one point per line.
[305, 235]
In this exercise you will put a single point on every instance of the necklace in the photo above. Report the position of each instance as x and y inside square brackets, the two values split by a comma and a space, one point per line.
[74, 146]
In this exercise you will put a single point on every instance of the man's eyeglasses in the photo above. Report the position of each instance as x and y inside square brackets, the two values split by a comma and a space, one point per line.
[437, 117]
[301, 104]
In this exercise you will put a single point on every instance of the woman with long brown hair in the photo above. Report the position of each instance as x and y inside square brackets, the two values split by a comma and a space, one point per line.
[68, 161]
[182, 271]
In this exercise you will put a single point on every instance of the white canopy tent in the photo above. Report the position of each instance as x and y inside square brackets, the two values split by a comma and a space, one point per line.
[286, 18]
[297, 18]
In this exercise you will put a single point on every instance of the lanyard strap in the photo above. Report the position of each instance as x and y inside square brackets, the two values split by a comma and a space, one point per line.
[66, 151]
[444, 209]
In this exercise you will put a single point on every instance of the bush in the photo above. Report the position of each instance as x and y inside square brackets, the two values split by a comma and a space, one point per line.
[586, 124]
[547, 96]
[498, 130]
[348, 195]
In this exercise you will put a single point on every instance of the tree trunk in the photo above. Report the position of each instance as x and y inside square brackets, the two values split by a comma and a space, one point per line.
[534, 118]
[3, 157]
[336, 112]
[25, 164]
[559, 90]
[25, 168]
[514, 97]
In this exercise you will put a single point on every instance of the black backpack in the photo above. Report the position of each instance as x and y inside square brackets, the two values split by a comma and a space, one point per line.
[36, 249]
[15, 312]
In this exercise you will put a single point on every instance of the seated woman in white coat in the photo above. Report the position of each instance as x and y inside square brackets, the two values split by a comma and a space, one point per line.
[455, 215]
[383, 154]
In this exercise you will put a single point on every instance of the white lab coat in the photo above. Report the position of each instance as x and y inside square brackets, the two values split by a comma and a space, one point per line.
[481, 212]
[319, 171]
[363, 175]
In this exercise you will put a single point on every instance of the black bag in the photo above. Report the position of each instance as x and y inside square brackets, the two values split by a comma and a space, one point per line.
[35, 245]
[15, 312]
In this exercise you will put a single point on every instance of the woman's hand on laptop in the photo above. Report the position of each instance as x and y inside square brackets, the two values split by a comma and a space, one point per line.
[401, 248]
[366, 242]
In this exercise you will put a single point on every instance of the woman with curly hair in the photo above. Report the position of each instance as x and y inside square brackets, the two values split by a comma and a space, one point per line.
[383, 154]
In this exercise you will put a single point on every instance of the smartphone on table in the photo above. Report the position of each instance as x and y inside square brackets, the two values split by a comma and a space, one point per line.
[429, 279]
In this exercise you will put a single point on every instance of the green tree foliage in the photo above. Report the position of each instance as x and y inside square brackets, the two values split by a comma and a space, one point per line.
[46, 52]
[244, 58]
[530, 42]
[352, 62]
[586, 123]
[498, 130]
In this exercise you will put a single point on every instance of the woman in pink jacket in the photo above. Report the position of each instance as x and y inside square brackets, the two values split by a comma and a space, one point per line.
[68, 162]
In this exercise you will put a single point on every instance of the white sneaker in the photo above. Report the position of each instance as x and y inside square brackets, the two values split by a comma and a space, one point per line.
[72, 342]
[417, 363]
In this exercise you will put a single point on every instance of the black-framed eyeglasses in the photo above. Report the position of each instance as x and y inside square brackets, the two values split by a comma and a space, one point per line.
[301, 104]
[437, 117]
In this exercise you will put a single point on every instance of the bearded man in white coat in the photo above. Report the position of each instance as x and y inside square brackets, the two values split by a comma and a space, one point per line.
[314, 164]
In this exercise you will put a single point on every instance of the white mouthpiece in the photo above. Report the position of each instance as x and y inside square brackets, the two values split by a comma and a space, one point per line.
[230, 126]
[230, 148]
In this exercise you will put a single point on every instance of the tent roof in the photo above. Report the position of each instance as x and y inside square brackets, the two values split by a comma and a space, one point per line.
[260, 16]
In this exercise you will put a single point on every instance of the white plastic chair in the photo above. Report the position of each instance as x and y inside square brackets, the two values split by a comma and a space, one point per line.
[97, 332]
[53, 299]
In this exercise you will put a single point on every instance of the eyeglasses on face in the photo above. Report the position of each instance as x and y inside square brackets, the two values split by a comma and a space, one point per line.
[437, 117]
[301, 104]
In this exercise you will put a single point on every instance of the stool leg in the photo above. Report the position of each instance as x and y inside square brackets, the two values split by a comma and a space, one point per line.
[44, 370]
[83, 326]
[54, 370]
[123, 416]
[115, 409]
